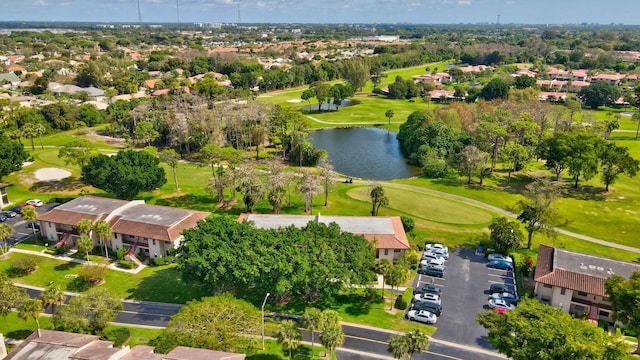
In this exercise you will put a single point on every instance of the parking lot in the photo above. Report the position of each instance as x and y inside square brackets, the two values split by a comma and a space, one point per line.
[465, 290]
[20, 230]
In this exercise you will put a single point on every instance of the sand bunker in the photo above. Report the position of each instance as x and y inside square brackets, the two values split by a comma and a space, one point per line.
[50, 174]
[294, 101]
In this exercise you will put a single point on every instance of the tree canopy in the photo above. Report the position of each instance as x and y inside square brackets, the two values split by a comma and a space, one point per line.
[625, 296]
[125, 174]
[88, 313]
[225, 254]
[541, 332]
[13, 155]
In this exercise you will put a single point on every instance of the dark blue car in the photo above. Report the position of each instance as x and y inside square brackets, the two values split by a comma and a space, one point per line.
[3, 218]
[500, 264]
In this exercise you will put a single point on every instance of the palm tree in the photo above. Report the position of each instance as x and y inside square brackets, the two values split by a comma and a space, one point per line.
[103, 231]
[171, 158]
[398, 346]
[332, 338]
[382, 267]
[312, 319]
[52, 296]
[418, 342]
[84, 227]
[30, 309]
[29, 131]
[29, 214]
[289, 335]
[6, 231]
[39, 130]
[84, 244]
[389, 114]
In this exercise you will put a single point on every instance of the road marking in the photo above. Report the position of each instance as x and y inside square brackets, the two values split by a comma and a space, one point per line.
[144, 313]
[443, 355]
[366, 339]
[23, 234]
[501, 276]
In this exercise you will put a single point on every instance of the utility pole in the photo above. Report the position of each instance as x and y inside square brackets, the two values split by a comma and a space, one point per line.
[264, 302]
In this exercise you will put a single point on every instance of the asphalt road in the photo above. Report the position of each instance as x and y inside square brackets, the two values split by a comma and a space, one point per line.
[20, 230]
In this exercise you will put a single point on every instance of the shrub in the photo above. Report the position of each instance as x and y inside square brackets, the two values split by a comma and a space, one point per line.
[51, 251]
[118, 335]
[121, 253]
[62, 249]
[24, 266]
[93, 274]
[403, 301]
[165, 260]
[407, 223]
[126, 264]
[371, 294]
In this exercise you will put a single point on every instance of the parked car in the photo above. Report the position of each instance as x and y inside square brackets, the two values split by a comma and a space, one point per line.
[35, 202]
[422, 316]
[428, 297]
[501, 288]
[499, 303]
[499, 257]
[10, 214]
[33, 225]
[3, 218]
[499, 264]
[432, 270]
[428, 289]
[429, 306]
[438, 249]
[430, 255]
[506, 296]
[16, 209]
[432, 261]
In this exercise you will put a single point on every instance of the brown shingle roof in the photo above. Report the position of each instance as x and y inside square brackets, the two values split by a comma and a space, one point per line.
[185, 353]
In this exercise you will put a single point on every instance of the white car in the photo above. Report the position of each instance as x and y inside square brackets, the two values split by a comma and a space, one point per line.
[499, 303]
[427, 297]
[438, 249]
[499, 257]
[431, 261]
[422, 316]
[431, 255]
[35, 202]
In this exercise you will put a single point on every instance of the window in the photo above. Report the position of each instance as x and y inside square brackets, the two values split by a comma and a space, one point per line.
[582, 293]
[386, 251]
[154, 242]
[396, 250]
[115, 236]
[548, 286]
[580, 308]
[49, 224]
[603, 313]
[563, 291]
[545, 299]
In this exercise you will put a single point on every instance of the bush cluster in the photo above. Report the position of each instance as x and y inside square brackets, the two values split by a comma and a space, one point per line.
[127, 264]
[118, 335]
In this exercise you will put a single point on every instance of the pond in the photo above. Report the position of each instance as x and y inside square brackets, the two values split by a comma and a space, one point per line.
[367, 153]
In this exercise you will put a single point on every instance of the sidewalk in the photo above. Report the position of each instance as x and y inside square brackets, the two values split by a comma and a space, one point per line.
[112, 266]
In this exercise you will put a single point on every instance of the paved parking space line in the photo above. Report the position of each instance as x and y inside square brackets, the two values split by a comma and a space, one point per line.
[501, 276]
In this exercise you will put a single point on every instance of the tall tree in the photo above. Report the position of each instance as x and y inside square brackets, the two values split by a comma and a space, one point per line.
[30, 309]
[6, 231]
[538, 331]
[615, 160]
[104, 234]
[625, 296]
[77, 151]
[309, 186]
[396, 276]
[389, 114]
[382, 268]
[326, 174]
[125, 174]
[52, 296]
[85, 245]
[556, 150]
[598, 94]
[250, 185]
[583, 158]
[145, 132]
[91, 312]
[513, 155]
[472, 161]
[10, 296]
[84, 227]
[29, 214]
[221, 323]
[538, 210]
[219, 159]
[355, 71]
[418, 342]
[312, 319]
[288, 334]
[13, 156]
[171, 158]
[378, 198]
[276, 185]
[322, 92]
[505, 235]
[496, 88]
[332, 336]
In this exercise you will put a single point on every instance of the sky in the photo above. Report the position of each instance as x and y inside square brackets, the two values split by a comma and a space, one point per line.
[327, 11]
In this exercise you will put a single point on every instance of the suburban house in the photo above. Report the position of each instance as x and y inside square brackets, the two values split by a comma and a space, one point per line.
[59, 345]
[575, 282]
[141, 228]
[4, 196]
[386, 231]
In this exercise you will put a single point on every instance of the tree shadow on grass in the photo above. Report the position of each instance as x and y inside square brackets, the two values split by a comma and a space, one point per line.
[585, 192]
[66, 266]
[19, 334]
[77, 285]
[190, 201]
[359, 308]
[166, 285]
[71, 183]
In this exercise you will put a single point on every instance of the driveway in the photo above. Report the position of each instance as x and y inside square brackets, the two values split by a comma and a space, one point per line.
[465, 289]
[20, 230]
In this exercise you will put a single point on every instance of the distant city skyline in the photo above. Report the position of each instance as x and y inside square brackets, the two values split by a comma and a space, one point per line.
[327, 11]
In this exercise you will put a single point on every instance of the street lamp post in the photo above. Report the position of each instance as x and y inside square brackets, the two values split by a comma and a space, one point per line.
[264, 302]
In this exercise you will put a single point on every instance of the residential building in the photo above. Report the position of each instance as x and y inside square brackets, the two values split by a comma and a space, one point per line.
[386, 231]
[145, 229]
[4, 197]
[612, 79]
[575, 282]
[59, 345]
